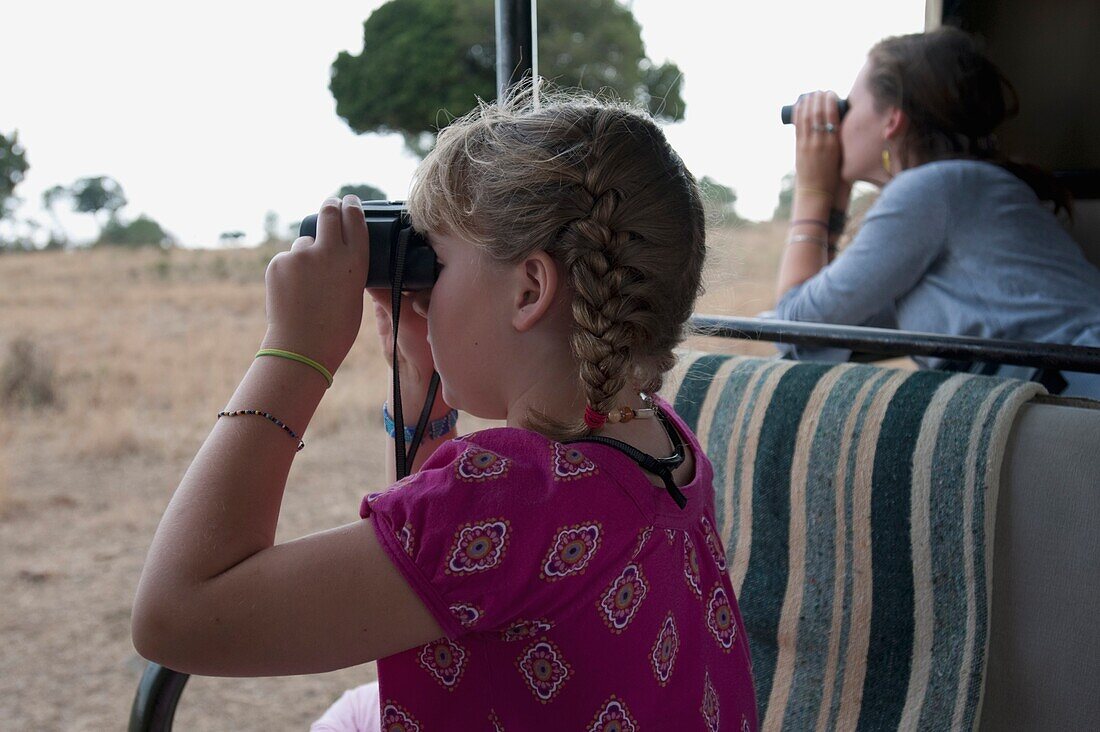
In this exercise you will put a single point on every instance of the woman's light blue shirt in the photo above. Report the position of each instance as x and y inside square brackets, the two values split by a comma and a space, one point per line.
[958, 247]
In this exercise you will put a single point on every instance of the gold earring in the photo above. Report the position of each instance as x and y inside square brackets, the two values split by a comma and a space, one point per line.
[886, 160]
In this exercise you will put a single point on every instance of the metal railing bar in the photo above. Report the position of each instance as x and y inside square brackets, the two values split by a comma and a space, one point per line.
[893, 342]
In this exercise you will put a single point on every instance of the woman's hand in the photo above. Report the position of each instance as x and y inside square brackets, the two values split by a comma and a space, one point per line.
[315, 290]
[414, 353]
[817, 143]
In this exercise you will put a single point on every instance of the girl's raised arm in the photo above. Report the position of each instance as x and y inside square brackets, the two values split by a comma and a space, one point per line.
[216, 596]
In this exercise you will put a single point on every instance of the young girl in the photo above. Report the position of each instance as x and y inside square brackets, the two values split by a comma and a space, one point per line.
[527, 577]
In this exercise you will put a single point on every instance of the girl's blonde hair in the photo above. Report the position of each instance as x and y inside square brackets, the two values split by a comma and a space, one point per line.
[595, 184]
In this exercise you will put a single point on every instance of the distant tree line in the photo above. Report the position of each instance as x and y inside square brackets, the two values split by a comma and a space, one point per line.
[100, 196]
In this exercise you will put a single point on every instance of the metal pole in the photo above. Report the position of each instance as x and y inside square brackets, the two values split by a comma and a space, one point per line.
[899, 342]
[515, 42]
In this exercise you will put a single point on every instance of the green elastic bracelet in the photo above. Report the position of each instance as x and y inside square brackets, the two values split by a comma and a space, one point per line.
[296, 357]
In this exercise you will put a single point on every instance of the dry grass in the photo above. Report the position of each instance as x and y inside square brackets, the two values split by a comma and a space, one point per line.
[146, 348]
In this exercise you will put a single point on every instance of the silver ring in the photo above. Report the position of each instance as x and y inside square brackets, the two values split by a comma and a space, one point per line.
[816, 127]
[830, 127]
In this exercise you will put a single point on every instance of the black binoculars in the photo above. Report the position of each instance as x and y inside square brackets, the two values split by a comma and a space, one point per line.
[391, 231]
[786, 113]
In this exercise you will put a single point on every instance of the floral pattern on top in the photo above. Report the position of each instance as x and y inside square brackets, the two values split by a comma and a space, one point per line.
[467, 615]
[572, 550]
[710, 704]
[445, 660]
[543, 668]
[691, 568]
[571, 464]
[713, 544]
[396, 719]
[477, 464]
[623, 598]
[478, 547]
[663, 655]
[522, 629]
[613, 717]
[405, 536]
[720, 618]
[578, 590]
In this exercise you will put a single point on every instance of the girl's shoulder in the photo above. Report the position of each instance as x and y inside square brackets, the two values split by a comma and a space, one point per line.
[508, 469]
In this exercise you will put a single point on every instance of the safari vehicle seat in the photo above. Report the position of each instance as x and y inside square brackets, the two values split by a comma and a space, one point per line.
[885, 476]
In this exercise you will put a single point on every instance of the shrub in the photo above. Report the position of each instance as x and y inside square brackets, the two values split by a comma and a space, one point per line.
[143, 231]
[27, 378]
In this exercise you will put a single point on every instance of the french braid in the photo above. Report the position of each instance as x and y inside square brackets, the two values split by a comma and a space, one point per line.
[596, 185]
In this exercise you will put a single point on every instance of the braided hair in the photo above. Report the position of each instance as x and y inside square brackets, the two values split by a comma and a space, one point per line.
[596, 185]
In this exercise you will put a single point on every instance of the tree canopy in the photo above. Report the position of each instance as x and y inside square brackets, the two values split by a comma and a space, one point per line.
[142, 231]
[365, 192]
[13, 166]
[97, 193]
[425, 59]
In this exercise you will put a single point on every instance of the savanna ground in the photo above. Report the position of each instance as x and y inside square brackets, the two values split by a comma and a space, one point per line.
[115, 364]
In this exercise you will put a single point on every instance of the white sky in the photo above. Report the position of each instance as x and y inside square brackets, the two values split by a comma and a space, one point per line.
[210, 114]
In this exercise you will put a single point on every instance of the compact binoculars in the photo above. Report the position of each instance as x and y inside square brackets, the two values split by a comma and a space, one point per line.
[787, 112]
[391, 231]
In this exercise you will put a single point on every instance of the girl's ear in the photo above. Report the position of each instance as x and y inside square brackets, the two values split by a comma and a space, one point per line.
[896, 123]
[537, 283]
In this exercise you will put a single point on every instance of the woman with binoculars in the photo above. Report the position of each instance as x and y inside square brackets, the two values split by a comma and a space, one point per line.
[961, 241]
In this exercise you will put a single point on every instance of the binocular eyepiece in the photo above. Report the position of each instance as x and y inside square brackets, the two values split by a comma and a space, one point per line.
[786, 113]
[391, 230]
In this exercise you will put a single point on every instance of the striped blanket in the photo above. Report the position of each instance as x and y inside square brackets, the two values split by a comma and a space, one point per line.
[856, 504]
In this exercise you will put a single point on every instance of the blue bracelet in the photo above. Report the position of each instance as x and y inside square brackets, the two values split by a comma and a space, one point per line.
[436, 429]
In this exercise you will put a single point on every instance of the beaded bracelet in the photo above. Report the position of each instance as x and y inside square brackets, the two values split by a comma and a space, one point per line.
[265, 415]
[436, 428]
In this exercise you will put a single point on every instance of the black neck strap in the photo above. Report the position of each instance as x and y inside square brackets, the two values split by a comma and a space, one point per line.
[403, 461]
[661, 467]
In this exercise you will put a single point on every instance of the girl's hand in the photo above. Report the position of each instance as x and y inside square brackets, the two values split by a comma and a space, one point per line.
[817, 150]
[315, 290]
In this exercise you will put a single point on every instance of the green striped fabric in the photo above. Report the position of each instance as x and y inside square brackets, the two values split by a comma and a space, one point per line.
[855, 504]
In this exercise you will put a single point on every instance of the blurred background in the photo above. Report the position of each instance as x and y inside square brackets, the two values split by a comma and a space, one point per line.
[154, 158]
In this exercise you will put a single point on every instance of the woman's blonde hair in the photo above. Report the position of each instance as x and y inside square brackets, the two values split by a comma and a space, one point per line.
[595, 184]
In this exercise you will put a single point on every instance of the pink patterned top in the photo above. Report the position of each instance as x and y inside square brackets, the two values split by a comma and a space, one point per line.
[573, 592]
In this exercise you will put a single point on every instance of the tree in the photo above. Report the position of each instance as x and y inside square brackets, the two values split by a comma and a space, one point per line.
[230, 237]
[141, 232]
[786, 199]
[50, 198]
[95, 194]
[718, 199]
[365, 191]
[271, 227]
[13, 166]
[421, 57]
